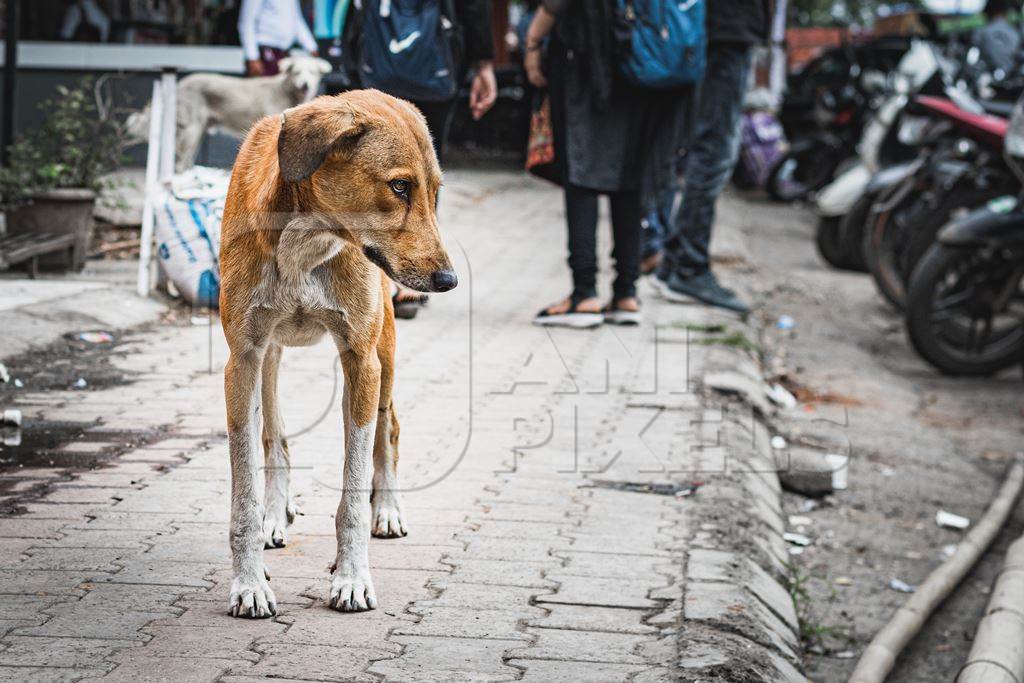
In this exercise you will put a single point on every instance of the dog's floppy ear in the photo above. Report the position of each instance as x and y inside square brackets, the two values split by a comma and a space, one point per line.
[309, 133]
[284, 64]
[324, 66]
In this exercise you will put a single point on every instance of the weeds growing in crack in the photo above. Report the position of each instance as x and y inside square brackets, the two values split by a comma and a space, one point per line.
[816, 636]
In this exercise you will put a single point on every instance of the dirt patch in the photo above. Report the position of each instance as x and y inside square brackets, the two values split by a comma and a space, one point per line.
[80, 361]
[805, 394]
[68, 363]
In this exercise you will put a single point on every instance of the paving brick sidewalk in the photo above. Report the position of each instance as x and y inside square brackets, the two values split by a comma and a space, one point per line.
[526, 558]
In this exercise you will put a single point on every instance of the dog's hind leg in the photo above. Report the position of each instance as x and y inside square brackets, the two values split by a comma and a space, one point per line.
[279, 512]
[388, 515]
[250, 592]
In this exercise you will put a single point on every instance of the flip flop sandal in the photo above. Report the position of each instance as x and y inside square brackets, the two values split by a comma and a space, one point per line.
[407, 307]
[614, 315]
[571, 318]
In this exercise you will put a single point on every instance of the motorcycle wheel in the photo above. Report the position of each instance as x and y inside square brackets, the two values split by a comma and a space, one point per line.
[901, 240]
[808, 166]
[885, 230]
[965, 310]
[827, 241]
[851, 233]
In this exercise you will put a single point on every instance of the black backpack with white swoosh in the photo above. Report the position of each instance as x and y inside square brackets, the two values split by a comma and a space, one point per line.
[408, 48]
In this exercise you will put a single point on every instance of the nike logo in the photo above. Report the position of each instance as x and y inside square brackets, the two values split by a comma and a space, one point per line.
[397, 46]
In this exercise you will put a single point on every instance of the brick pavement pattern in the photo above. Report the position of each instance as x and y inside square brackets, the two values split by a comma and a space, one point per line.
[525, 559]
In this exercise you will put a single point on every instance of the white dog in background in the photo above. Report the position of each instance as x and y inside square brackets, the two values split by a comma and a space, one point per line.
[207, 101]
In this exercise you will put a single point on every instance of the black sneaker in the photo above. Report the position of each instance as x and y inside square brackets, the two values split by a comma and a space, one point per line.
[705, 289]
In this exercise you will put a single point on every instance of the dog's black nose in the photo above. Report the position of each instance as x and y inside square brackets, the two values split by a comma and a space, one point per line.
[443, 280]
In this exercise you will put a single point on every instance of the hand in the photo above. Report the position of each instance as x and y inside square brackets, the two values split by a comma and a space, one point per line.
[254, 67]
[484, 90]
[534, 72]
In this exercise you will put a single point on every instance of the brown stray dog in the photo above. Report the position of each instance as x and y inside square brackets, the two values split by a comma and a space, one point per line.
[322, 199]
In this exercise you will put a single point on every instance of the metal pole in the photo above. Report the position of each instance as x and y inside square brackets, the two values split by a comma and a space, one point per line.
[156, 117]
[777, 61]
[10, 77]
[169, 90]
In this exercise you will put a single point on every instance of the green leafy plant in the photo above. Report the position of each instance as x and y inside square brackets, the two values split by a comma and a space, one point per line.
[77, 143]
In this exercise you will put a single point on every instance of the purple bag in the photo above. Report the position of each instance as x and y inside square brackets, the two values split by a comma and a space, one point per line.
[762, 142]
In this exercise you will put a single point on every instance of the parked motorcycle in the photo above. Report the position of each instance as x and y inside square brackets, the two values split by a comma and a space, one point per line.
[826, 107]
[889, 141]
[812, 160]
[959, 174]
[965, 300]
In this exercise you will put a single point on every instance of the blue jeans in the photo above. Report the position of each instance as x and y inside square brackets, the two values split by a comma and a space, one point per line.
[711, 158]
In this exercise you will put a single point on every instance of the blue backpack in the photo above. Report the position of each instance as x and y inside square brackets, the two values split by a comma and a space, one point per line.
[662, 42]
[408, 48]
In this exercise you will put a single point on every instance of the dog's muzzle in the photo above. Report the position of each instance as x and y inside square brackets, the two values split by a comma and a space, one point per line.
[444, 280]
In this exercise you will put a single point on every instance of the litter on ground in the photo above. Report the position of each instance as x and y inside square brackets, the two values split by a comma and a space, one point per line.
[950, 521]
[902, 587]
[796, 539]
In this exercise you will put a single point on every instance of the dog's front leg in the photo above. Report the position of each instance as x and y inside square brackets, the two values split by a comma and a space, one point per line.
[351, 585]
[250, 592]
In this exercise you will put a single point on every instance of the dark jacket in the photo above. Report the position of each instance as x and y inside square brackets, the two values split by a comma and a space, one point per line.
[609, 136]
[738, 22]
[474, 19]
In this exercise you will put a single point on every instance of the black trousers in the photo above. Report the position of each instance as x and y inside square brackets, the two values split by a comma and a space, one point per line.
[439, 117]
[581, 216]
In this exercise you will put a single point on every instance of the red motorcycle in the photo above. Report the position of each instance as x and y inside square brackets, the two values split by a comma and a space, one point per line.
[964, 168]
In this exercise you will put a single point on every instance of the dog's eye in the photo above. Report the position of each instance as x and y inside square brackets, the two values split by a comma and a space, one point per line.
[400, 187]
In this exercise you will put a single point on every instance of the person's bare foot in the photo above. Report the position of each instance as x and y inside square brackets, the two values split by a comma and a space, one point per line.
[407, 302]
[625, 311]
[585, 313]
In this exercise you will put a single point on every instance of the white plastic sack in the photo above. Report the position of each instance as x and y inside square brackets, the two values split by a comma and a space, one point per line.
[187, 224]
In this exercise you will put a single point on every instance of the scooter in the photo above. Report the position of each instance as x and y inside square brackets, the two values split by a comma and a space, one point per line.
[887, 155]
[965, 300]
[839, 116]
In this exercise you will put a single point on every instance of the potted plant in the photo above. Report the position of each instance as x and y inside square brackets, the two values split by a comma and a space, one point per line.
[54, 173]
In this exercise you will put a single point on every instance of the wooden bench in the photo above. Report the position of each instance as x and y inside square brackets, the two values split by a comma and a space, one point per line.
[21, 248]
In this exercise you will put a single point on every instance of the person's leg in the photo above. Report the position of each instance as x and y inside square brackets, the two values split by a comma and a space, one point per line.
[582, 308]
[626, 218]
[270, 57]
[581, 218]
[711, 158]
[439, 117]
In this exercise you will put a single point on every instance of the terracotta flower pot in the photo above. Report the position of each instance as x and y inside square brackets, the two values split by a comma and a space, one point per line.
[58, 211]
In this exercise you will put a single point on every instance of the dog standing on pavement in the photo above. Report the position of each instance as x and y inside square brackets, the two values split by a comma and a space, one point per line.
[327, 202]
[209, 101]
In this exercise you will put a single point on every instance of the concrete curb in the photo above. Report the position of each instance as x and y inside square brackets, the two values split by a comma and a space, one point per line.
[736, 598]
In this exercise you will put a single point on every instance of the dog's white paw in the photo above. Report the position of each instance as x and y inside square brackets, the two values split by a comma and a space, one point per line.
[388, 516]
[275, 528]
[251, 597]
[352, 591]
[275, 523]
